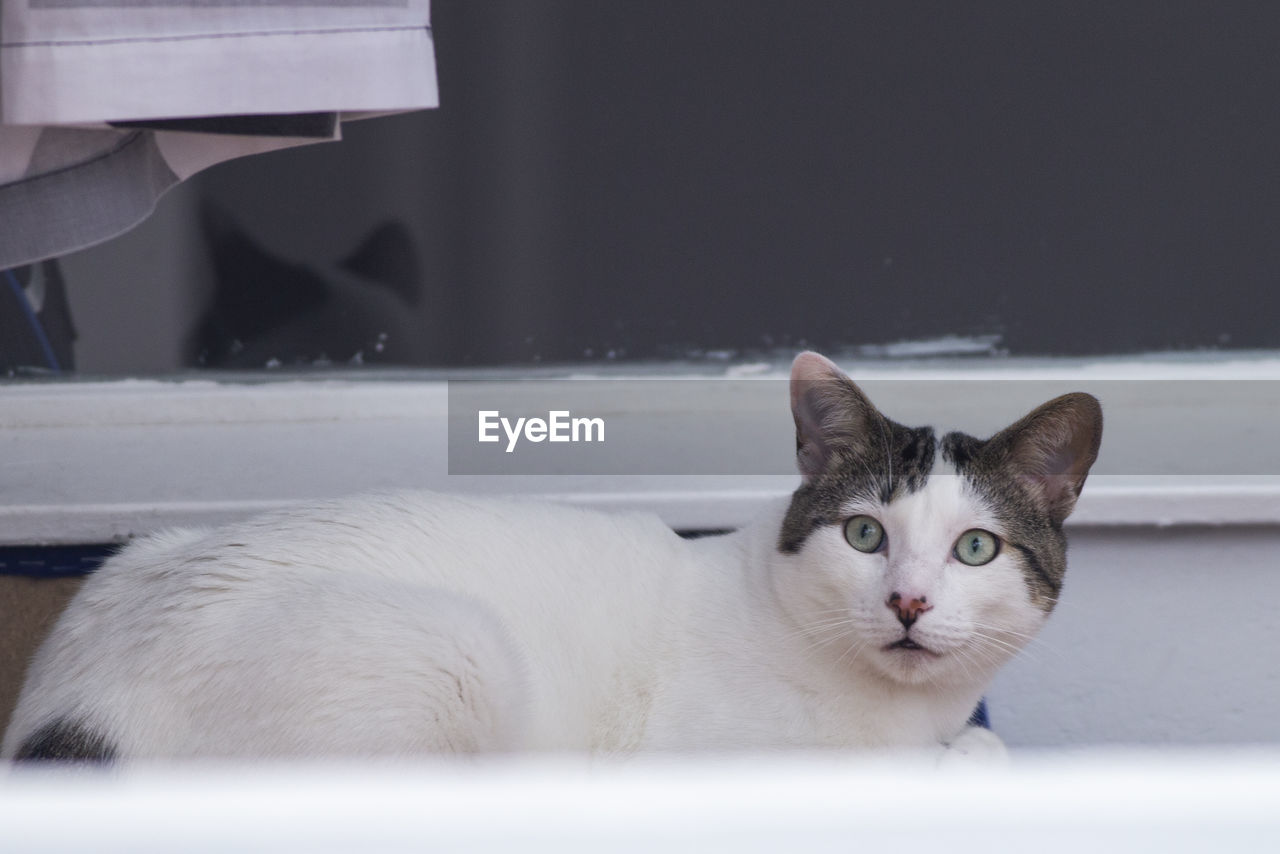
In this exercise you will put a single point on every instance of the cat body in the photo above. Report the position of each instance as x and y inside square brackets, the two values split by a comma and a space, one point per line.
[414, 623]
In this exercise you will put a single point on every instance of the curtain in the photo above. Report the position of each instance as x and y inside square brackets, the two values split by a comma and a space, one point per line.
[105, 104]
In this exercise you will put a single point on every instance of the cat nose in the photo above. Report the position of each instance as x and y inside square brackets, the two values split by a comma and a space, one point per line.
[908, 609]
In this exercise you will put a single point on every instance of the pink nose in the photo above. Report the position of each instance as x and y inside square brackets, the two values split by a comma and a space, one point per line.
[908, 609]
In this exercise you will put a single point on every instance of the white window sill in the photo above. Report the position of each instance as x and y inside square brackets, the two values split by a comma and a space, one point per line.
[98, 462]
[1168, 801]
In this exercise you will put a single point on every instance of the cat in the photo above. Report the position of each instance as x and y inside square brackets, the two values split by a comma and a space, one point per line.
[370, 307]
[868, 610]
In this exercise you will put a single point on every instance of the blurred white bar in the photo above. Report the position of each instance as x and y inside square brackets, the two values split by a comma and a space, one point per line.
[1112, 801]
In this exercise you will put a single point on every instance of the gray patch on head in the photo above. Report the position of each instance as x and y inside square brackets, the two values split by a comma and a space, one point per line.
[1030, 531]
[890, 462]
[66, 740]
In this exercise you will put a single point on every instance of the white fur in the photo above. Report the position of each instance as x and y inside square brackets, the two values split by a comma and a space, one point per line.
[416, 622]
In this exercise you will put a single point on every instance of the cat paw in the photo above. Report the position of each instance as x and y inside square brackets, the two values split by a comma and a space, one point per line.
[974, 747]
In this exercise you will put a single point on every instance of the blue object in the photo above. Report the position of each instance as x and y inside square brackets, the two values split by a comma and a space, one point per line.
[33, 322]
[979, 716]
[53, 561]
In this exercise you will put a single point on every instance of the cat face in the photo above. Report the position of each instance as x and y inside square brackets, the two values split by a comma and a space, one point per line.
[928, 560]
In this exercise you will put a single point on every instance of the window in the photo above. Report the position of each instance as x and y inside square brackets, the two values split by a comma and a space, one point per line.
[610, 188]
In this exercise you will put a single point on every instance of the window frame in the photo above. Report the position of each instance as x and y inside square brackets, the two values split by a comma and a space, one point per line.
[102, 461]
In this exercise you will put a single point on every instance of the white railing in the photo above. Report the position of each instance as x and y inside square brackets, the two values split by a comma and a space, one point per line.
[1126, 801]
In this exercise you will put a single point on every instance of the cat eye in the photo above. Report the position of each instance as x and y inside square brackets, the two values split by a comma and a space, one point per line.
[976, 547]
[864, 533]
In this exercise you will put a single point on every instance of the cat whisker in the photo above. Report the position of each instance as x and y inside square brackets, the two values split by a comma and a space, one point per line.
[996, 640]
[828, 612]
[995, 651]
[980, 656]
[963, 659]
[817, 642]
[1031, 644]
[817, 628]
[851, 653]
[820, 635]
[1025, 637]
[1008, 631]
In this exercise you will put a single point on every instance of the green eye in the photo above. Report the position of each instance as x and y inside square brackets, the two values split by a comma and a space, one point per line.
[864, 533]
[976, 547]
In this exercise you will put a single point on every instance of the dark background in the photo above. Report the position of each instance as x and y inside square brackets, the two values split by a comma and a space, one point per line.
[660, 179]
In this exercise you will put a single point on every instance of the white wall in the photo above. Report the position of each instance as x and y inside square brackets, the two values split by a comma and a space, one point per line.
[1162, 636]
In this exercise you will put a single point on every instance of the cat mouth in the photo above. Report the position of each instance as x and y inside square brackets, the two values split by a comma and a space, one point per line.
[910, 645]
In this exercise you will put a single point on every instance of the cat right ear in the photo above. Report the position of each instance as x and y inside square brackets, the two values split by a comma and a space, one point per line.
[830, 411]
[1052, 448]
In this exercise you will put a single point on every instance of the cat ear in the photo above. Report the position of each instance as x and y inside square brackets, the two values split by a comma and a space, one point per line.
[1052, 449]
[830, 412]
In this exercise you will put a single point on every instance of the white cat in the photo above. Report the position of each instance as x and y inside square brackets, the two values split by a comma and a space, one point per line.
[869, 610]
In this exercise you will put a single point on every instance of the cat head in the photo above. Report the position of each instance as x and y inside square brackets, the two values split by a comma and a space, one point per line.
[926, 558]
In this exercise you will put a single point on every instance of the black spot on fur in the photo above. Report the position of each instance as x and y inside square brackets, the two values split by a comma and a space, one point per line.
[891, 461]
[66, 741]
[959, 449]
[1051, 584]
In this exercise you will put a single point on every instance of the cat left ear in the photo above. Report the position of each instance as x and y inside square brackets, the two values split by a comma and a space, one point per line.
[1052, 449]
[830, 412]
